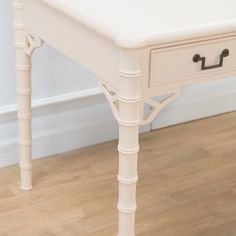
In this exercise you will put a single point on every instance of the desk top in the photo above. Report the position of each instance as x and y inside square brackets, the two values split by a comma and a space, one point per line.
[138, 23]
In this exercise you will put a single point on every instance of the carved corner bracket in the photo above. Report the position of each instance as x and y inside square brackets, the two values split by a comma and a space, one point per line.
[155, 106]
[111, 97]
[31, 43]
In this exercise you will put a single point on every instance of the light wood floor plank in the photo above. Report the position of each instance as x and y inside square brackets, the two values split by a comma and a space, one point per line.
[187, 187]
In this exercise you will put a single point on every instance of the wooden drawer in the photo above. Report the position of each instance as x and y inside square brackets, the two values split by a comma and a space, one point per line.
[175, 64]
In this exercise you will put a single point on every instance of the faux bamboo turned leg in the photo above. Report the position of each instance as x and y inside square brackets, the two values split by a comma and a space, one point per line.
[23, 68]
[127, 177]
[129, 118]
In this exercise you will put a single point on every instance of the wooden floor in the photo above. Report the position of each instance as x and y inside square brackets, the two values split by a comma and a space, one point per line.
[187, 187]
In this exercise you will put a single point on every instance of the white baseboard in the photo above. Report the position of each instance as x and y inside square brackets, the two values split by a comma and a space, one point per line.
[80, 119]
[58, 142]
[60, 123]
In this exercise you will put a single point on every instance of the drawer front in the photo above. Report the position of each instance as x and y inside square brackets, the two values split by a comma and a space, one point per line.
[175, 64]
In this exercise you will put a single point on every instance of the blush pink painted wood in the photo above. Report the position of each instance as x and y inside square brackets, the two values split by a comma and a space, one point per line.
[138, 50]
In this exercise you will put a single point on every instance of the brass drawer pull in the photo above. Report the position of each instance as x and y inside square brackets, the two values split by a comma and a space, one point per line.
[197, 58]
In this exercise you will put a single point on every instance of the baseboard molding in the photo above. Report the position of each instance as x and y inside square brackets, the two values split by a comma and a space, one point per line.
[60, 123]
[80, 119]
[58, 142]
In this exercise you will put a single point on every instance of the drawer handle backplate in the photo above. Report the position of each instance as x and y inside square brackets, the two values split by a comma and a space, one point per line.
[197, 58]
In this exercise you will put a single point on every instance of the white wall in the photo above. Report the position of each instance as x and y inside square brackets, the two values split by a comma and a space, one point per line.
[69, 109]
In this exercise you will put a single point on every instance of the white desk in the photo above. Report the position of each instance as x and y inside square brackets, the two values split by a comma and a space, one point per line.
[138, 50]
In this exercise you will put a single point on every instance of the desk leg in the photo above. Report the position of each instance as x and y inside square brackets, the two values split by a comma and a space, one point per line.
[25, 44]
[129, 118]
[24, 116]
[23, 69]
[127, 107]
[127, 178]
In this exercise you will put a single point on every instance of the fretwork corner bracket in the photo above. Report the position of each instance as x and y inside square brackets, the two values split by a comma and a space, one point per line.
[154, 106]
[31, 43]
[157, 106]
